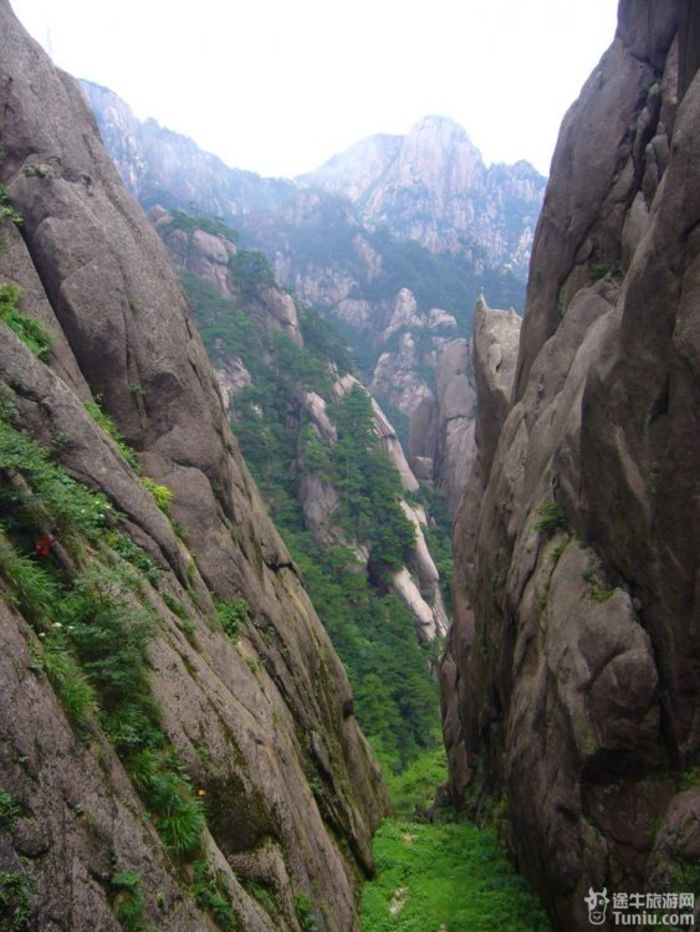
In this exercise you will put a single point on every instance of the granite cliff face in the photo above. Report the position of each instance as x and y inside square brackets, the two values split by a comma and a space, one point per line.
[261, 724]
[570, 688]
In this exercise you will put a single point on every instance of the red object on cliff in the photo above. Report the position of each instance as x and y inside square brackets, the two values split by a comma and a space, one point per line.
[43, 546]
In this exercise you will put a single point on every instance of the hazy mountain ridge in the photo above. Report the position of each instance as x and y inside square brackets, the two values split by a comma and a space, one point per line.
[432, 186]
[361, 262]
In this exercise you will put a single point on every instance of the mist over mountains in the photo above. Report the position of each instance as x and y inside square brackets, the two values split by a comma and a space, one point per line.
[420, 211]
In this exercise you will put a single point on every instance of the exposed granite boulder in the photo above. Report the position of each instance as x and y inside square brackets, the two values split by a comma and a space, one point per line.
[253, 723]
[568, 685]
[441, 437]
[232, 377]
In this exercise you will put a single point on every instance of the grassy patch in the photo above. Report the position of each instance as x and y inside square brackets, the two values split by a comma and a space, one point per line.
[95, 411]
[449, 877]
[231, 615]
[211, 894]
[128, 901]
[9, 810]
[599, 588]
[162, 495]
[30, 331]
[14, 901]
[414, 787]
[7, 209]
[551, 518]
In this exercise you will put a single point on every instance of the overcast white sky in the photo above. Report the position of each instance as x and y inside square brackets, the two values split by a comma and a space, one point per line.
[278, 86]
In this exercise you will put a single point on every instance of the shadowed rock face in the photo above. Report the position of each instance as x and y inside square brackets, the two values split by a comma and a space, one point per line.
[570, 684]
[253, 723]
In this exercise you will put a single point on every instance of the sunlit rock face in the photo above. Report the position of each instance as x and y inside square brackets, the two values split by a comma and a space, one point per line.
[262, 726]
[569, 686]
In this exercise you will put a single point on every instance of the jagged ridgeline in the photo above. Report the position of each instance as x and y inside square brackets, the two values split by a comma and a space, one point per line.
[178, 747]
[317, 445]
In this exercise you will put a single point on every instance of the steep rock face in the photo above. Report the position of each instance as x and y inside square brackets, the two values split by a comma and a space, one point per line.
[208, 256]
[441, 440]
[570, 682]
[413, 341]
[253, 723]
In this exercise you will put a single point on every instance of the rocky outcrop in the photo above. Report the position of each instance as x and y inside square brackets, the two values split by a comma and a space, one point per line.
[418, 582]
[414, 341]
[568, 684]
[441, 440]
[263, 727]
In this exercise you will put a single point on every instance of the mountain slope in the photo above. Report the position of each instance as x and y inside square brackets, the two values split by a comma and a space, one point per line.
[432, 187]
[393, 240]
[205, 768]
[570, 692]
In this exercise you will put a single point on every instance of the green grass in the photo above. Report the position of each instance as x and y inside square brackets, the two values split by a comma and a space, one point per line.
[231, 614]
[128, 902]
[14, 901]
[445, 877]
[9, 810]
[415, 786]
[442, 876]
[104, 421]
[162, 495]
[210, 894]
[30, 331]
[70, 683]
[551, 517]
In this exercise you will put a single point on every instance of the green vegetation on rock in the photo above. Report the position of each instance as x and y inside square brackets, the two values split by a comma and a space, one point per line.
[30, 331]
[92, 627]
[396, 698]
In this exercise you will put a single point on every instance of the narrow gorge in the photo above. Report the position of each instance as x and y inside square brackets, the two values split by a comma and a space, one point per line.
[348, 522]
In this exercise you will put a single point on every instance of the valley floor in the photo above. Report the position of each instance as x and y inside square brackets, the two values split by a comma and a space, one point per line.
[442, 876]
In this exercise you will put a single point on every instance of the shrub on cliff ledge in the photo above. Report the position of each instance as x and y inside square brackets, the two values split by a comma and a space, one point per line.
[551, 518]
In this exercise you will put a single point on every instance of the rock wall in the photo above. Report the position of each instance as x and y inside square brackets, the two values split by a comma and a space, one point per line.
[441, 437]
[263, 726]
[570, 687]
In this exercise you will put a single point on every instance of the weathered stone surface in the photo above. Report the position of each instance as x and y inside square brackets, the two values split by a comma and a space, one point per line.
[568, 685]
[232, 377]
[95, 271]
[396, 376]
[441, 436]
